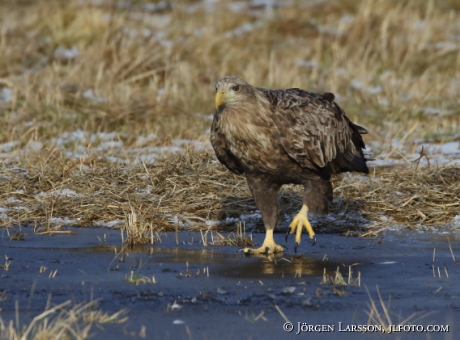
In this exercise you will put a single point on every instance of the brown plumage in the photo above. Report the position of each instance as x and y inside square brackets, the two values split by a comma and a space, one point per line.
[276, 137]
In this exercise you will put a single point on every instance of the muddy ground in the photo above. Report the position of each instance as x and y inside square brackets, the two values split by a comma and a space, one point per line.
[187, 303]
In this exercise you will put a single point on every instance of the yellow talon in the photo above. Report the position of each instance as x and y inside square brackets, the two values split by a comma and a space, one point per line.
[268, 247]
[297, 224]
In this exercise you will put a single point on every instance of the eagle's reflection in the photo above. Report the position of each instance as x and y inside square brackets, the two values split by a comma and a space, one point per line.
[235, 265]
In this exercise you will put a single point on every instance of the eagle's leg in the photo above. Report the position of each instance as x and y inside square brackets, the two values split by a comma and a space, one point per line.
[266, 196]
[316, 197]
[297, 224]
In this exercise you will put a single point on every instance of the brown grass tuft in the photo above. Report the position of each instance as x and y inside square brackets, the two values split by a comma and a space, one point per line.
[409, 196]
[190, 189]
[62, 322]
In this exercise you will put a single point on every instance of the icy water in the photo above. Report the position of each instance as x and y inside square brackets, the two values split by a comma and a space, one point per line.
[216, 292]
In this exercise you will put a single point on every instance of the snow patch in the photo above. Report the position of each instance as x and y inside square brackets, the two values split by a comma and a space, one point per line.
[65, 54]
[456, 221]
[6, 95]
[63, 220]
[89, 94]
[8, 146]
[110, 224]
[58, 193]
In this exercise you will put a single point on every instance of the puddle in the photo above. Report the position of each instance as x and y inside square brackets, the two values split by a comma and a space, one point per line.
[296, 266]
[211, 284]
[227, 264]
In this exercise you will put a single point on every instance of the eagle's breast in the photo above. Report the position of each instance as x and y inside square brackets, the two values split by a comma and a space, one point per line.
[252, 140]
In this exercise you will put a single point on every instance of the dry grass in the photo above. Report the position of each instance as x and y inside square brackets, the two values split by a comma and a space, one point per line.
[187, 190]
[380, 314]
[238, 238]
[145, 75]
[412, 196]
[137, 280]
[232, 239]
[338, 280]
[157, 69]
[61, 322]
[138, 231]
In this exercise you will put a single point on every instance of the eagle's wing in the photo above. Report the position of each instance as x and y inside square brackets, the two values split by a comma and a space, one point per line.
[315, 132]
[222, 150]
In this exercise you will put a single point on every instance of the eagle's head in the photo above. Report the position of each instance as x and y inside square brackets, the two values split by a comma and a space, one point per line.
[231, 90]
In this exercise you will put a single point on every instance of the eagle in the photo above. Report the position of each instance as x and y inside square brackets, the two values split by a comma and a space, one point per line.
[277, 137]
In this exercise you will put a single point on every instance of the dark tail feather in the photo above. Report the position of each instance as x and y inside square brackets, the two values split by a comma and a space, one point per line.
[359, 164]
[360, 129]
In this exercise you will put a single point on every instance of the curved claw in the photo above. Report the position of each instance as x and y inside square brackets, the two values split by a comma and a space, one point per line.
[267, 251]
[314, 240]
[246, 251]
[295, 247]
[288, 231]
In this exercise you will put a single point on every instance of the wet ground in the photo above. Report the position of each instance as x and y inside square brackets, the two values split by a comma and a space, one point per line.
[216, 292]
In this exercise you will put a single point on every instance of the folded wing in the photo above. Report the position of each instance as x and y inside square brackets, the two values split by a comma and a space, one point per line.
[316, 133]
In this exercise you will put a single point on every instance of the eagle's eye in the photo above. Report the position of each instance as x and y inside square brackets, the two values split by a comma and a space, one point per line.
[216, 88]
[236, 88]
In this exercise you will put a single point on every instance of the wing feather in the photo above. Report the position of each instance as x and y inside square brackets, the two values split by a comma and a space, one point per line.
[315, 132]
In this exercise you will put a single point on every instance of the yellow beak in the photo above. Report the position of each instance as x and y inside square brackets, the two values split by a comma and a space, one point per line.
[220, 98]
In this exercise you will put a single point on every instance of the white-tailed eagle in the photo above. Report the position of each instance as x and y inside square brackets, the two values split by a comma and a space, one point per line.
[276, 137]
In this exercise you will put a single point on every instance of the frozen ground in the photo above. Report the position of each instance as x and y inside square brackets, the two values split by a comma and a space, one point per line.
[213, 292]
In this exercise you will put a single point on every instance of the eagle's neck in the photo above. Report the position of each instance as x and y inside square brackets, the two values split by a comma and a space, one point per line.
[239, 122]
[246, 127]
[248, 112]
